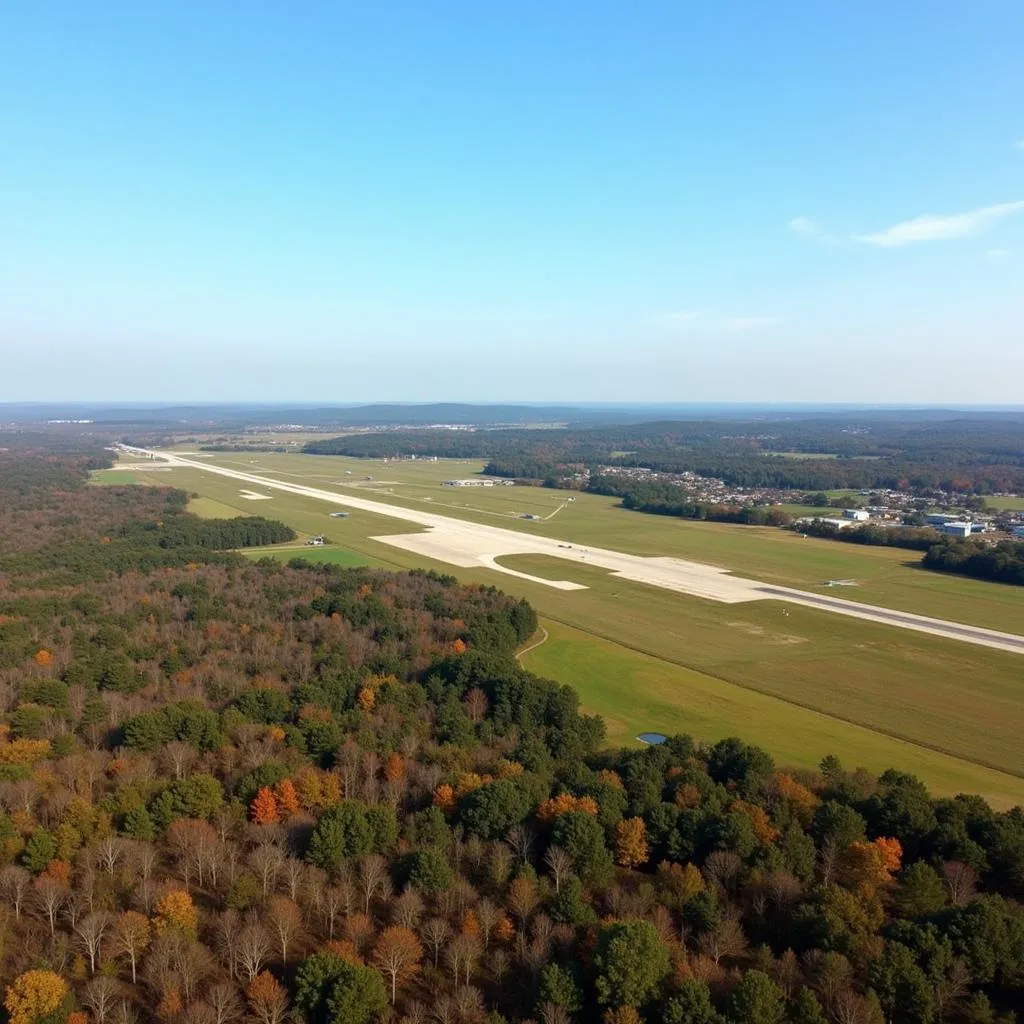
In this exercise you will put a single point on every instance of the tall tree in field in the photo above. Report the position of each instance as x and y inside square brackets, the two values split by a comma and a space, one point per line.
[397, 953]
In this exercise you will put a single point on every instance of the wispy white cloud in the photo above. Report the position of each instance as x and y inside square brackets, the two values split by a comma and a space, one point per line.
[684, 316]
[804, 226]
[998, 254]
[747, 323]
[1019, 144]
[933, 227]
[697, 320]
[808, 228]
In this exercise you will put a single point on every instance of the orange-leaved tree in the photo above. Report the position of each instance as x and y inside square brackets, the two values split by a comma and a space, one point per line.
[556, 806]
[263, 810]
[397, 953]
[288, 804]
[267, 998]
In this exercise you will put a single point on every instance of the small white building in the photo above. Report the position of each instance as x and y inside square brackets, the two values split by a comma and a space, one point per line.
[858, 515]
[839, 524]
[956, 529]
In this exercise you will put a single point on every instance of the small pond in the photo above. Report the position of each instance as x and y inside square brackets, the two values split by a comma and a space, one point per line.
[652, 737]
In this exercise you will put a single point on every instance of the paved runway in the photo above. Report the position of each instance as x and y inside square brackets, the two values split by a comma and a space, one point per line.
[472, 545]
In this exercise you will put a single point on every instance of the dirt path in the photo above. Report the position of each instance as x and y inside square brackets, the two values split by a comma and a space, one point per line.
[532, 647]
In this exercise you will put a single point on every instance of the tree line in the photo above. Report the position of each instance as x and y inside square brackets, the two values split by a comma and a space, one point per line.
[862, 451]
[667, 499]
[1002, 562]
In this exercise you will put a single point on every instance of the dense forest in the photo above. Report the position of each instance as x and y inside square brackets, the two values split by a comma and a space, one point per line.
[291, 792]
[957, 454]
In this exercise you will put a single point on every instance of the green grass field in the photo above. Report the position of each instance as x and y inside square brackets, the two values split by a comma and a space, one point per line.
[1012, 503]
[635, 693]
[210, 509]
[805, 686]
[113, 477]
[328, 555]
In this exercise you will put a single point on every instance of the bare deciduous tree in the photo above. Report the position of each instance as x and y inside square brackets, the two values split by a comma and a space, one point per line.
[285, 921]
[266, 861]
[552, 1013]
[722, 868]
[251, 949]
[109, 853]
[407, 909]
[101, 997]
[521, 839]
[15, 884]
[90, 930]
[50, 896]
[560, 864]
[435, 933]
[373, 876]
[179, 757]
[725, 941]
[130, 937]
[961, 882]
[223, 1000]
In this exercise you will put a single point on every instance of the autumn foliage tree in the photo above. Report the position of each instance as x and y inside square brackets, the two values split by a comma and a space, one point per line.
[176, 910]
[631, 842]
[264, 808]
[34, 995]
[397, 954]
[267, 999]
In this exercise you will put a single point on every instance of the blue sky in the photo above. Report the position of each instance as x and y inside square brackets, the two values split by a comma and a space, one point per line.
[703, 201]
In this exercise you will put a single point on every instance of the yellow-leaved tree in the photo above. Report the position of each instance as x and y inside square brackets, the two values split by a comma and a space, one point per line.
[33, 995]
[176, 910]
[631, 842]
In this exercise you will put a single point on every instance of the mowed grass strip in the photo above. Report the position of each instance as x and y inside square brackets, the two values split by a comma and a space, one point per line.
[637, 693]
[207, 508]
[319, 555]
[113, 477]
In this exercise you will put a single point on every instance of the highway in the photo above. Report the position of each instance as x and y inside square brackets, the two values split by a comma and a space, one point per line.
[475, 545]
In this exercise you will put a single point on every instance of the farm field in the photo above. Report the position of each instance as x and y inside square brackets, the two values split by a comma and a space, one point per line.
[871, 694]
